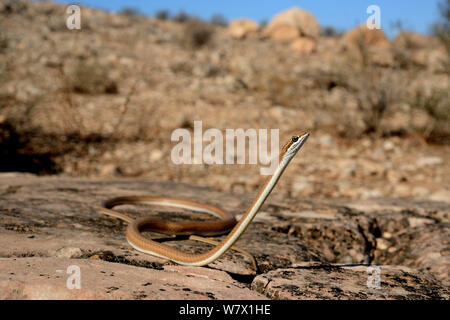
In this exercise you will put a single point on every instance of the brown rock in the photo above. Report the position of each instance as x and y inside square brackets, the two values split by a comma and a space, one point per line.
[304, 45]
[381, 56]
[441, 195]
[433, 59]
[284, 33]
[414, 40]
[363, 35]
[348, 282]
[49, 223]
[242, 28]
[47, 278]
[292, 23]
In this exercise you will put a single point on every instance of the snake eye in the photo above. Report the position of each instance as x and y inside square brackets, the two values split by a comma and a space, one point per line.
[294, 139]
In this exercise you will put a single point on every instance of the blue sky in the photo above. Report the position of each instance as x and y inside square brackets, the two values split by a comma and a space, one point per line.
[416, 15]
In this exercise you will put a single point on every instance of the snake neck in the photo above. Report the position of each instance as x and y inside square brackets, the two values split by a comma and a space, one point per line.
[262, 195]
[251, 212]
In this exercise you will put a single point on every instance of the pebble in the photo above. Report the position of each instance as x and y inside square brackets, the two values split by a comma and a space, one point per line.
[441, 195]
[367, 194]
[107, 169]
[325, 140]
[388, 145]
[156, 155]
[68, 252]
[302, 186]
[393, 176]
[429, 161]
[387, 235]
[420, 192]
[402, 190]
[418, 222]
[382, 244]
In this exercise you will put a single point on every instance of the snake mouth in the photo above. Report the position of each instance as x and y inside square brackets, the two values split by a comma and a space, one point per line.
[303, 134]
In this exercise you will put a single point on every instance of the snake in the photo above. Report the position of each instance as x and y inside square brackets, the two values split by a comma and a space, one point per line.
[226, 224]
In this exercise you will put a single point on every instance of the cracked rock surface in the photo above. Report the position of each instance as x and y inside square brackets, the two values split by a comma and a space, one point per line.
[305, 249]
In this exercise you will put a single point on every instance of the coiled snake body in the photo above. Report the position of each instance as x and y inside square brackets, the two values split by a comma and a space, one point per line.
[227, 222]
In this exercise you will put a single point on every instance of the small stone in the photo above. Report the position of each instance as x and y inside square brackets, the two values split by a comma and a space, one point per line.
[418, 222]
[68, 252]
[325, 140]
[302, 186]
[156, 155]
[429, 161]
[387, 235]
[366, 143]
[420, 192]
[388, 145]
[402, 190]
[108, 169]
[347, 259]
[367, 194]
[393, 176]
[441, 195]
[382, 244]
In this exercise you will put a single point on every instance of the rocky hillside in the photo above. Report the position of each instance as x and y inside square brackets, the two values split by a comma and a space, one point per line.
[92, 111]
[103, 101]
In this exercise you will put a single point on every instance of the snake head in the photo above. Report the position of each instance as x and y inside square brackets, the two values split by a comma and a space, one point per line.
[293, 145]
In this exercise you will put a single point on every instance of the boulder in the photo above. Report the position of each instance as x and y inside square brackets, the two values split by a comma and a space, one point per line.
[242, 28]
[381, 56]
[291, 24]
[283, 33]
[369, 37]
[304, 45]
[414, 40]
[433, 59]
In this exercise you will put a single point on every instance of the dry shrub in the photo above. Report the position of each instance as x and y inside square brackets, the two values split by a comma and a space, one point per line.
[280, 89]
[4, 75]
[437, 106]
[197, 33]
[4, 42]
[402, 58]
[441, 29]
[91, 78]
[162, 14]
[374, 97]
[329, 31]
[376, 94]
[130, 12]
[181, 17]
